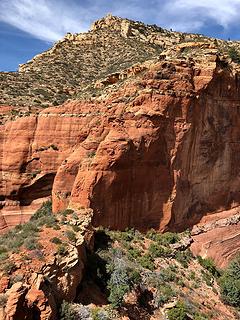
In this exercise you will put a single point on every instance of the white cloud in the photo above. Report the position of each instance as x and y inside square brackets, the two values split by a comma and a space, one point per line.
[50, 19]
[189, 15]
[44, 19]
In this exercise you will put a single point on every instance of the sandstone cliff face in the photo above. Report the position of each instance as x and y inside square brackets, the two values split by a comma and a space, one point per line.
[158, 150]
[218, 236]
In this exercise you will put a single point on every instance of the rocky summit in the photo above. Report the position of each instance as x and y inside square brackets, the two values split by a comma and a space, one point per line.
[131, 131]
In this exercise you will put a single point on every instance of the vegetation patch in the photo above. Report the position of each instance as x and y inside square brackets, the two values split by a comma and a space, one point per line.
[234, 55]
[230, 283]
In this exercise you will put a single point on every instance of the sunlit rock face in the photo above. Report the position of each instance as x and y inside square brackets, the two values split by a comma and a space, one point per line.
[157, 149]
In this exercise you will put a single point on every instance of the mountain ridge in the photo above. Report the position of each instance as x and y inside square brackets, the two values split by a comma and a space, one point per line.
[134, 136]
[54, 76]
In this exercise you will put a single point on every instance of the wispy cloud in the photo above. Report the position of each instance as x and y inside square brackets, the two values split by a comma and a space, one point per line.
[50, 19]
[44, 19]
[188, 15]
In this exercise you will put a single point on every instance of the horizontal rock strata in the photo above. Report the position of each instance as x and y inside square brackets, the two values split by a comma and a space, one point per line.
[159, 150]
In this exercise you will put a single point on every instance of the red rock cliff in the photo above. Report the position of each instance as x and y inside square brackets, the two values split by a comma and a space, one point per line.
[158, 150]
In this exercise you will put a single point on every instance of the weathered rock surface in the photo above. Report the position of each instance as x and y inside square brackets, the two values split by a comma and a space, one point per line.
[218, 236]
[112, 45]
[157, 150]
[145, 145]
[46, 282]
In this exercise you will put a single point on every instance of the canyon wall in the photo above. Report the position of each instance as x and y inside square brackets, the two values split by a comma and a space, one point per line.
[160, 150]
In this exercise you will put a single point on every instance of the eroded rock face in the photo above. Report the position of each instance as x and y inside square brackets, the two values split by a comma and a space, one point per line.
[46, 282]
[158, 150]
[218, 236]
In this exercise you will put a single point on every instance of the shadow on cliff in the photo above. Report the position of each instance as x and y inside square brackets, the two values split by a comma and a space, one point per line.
[208, 159]
[134, 189]
[41, 188]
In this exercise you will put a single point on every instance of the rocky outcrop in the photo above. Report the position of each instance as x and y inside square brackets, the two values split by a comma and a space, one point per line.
[157, 150]
[218, 236]
[44, 283]
[74, 62]
[143, 145]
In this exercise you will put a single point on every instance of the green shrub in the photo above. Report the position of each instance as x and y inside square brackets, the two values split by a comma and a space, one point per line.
[26, 257]
[75, 216]
[230, 283]
[70, 235]
[17, 241]
[163, 238]
[67, 311]
[18, 227]
[66, 212]
[134, 277]
[44, 216]
[146, 261]
[200, 316]
[118, 284]
[128, 235]
[134, 253]
[207, 277]
[155, 250]
[46, 209]
[15, 278]
[180, 282]
[122, 278]
[209, 265]
[192, 275]
[49, 221]
[164, 294]
[91, 154]
[98, 314]
[3, 253]
[117, 293]
[3, 256]
[168, 238]
[56, 227]
[179, 312]
[29, 228]
[184, 257]
[32, 244]
[56, 240]
[167, 275]
[151, 234]
[234, 55]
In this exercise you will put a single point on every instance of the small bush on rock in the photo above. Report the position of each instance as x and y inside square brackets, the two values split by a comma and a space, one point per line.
[209, 265]
[179, 312]
[234, 55]
[230, 283]
[70, 235]
[46, 209]
[67, 311]
[56, 240]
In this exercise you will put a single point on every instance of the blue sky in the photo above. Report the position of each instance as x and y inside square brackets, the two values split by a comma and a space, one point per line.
[28, 27]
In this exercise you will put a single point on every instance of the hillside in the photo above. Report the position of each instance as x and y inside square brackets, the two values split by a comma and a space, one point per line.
[132, 132]
[112, 45]
[55, 259]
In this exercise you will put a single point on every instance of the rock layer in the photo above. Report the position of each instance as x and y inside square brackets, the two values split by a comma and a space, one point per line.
[159, 150]
[218, 236]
